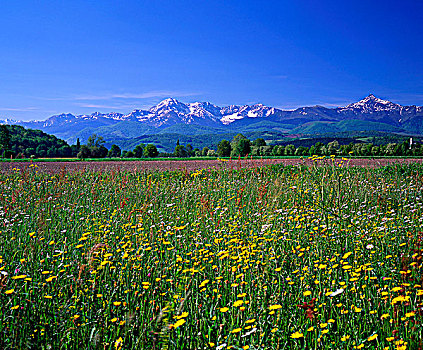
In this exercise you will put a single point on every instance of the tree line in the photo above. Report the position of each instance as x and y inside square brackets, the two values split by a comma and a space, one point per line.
[242, 146]
[18, 142]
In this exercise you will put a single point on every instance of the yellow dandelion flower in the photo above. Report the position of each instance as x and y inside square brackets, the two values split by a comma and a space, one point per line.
[183, 315]
[179, 323]
[372, 337]
[224, 309]
[346, 255]
[236, 330]
[18, 277]
[10, 291]
[297, 335]
[275, 307]
[118, 343]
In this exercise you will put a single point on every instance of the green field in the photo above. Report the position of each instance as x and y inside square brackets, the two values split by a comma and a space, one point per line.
[279, 257]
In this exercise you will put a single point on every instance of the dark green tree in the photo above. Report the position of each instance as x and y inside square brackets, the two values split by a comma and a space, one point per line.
[150, 151]
[30, 151]
[4, 141]
[98, 152]
[259, 142]
[84, 152]
[96, 146]
[129, 154]
[138, 150]
[242, 148]
[236, 138]
[41, 151]
[114, 152]
[318, 148]
[224, 148]
[190, 151]
[180, 151]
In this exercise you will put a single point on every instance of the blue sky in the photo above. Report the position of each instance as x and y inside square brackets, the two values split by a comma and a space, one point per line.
[86, 56]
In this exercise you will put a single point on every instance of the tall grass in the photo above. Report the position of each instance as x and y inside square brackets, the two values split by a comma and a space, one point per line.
[295, 257]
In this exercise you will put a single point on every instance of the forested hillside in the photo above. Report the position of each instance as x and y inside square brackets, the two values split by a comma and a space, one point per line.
[18, 142]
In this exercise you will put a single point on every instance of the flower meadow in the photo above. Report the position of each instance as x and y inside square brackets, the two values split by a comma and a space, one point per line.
[278, 257]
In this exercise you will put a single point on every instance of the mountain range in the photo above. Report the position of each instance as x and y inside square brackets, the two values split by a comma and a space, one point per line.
[171, 116]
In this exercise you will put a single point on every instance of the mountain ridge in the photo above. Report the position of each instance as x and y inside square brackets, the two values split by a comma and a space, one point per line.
[173, 113]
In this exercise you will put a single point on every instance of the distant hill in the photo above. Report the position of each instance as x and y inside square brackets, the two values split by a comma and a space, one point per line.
[30, 142]
[172, 118]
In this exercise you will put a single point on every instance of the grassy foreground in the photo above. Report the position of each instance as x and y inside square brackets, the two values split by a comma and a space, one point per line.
[288, 257]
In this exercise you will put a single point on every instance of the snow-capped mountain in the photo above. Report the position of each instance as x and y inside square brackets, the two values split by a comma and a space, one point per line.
[371, 104]
[376, 109]
[171, 112]
[233, 113]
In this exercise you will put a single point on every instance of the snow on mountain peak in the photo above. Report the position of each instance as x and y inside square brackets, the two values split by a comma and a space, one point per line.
[169, 101]
[171, 112]
[372, 104]
[170, 104]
